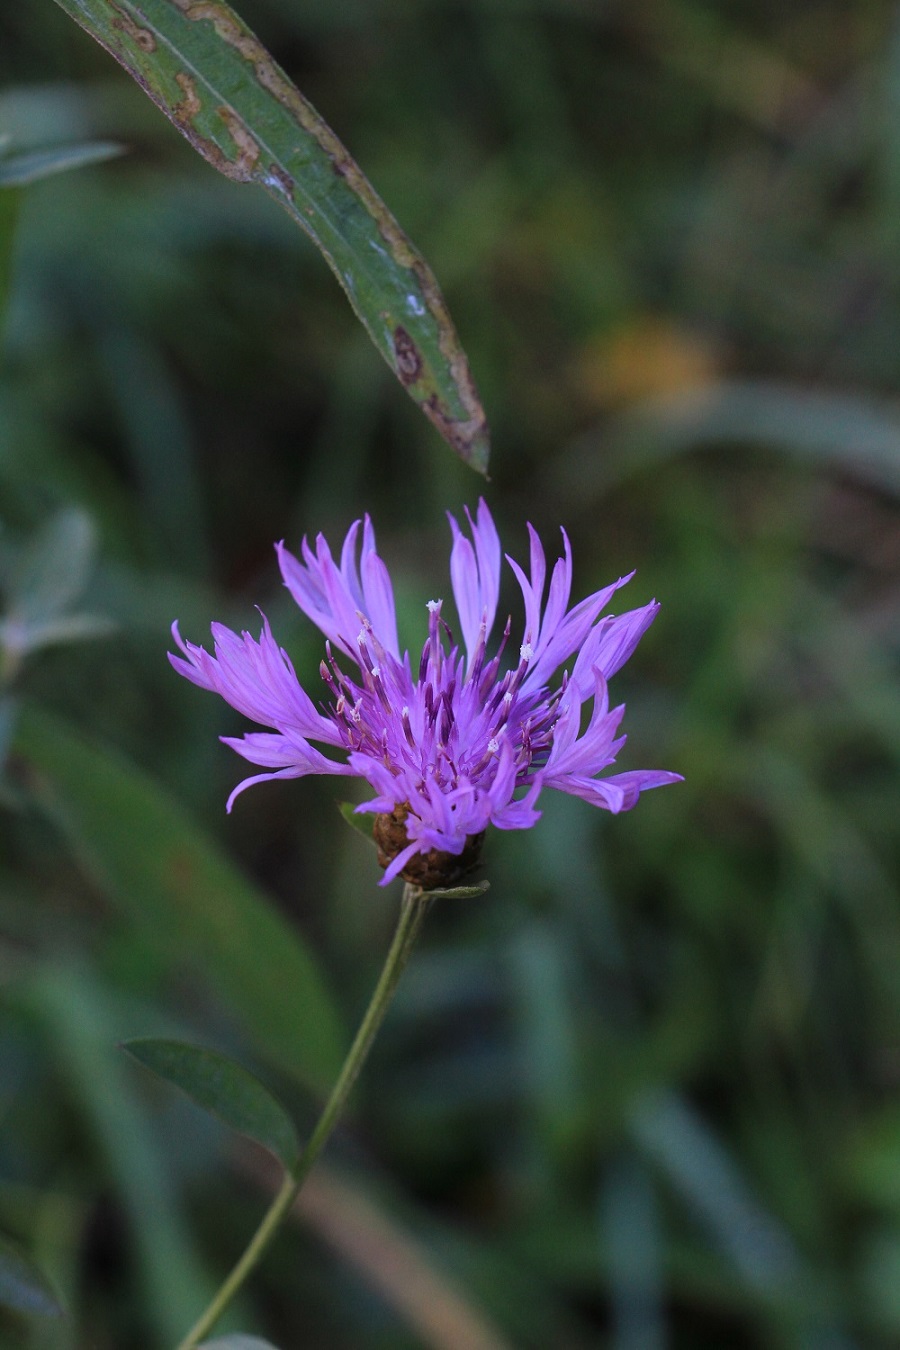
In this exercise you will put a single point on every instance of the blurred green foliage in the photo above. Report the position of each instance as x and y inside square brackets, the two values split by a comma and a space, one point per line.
[643, 1093]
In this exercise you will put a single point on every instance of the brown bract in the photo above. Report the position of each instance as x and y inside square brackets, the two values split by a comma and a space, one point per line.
[429, 871]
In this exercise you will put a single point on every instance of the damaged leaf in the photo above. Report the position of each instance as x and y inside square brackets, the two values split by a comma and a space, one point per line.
[213, 78]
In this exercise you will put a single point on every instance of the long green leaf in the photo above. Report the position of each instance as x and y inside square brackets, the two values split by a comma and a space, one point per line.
[216, 82]
[157, 865]
[223, 1088]
[23, 1288]
[83, 1026]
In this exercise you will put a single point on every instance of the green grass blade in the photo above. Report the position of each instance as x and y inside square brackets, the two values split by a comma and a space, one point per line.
[81, 1023]
[31, 166]
[191, 902]
[220, 87]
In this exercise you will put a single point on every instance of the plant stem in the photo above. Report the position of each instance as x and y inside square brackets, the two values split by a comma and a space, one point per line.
[412, 912]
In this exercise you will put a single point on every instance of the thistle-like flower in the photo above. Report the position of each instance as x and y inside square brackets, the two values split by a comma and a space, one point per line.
[464, 740]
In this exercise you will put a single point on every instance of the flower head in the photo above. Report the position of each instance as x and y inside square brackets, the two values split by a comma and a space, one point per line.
[461, 740]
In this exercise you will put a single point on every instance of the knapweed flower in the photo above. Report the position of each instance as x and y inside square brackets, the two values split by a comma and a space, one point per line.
[460, 740]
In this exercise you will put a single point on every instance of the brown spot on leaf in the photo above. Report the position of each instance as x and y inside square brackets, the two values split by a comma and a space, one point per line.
[142, 37]
[247, 148]
[187, 108]
[468, 436]
[409, 361]
[282, 178]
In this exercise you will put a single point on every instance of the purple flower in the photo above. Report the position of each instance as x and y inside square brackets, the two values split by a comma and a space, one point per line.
[462, 740]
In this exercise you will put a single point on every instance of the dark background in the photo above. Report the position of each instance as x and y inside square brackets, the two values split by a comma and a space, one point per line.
[643, 1094]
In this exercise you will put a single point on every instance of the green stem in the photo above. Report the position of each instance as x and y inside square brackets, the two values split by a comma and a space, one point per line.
[412, 912]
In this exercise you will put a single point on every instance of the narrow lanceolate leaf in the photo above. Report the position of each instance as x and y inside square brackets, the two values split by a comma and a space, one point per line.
[460, 892]
[22, 1286]
[213, 78]
[223, 1088]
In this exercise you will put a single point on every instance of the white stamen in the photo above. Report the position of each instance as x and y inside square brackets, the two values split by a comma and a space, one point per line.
[493, 745]
[526, 651]
[433, 606]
